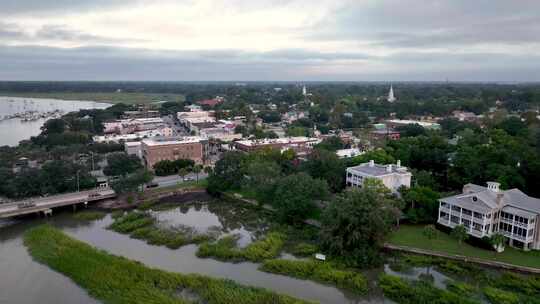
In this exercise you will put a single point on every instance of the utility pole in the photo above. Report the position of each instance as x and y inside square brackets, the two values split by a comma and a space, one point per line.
[78, 180]
[92, 154]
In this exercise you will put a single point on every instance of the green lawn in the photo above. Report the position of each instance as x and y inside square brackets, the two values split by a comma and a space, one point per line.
[120, 97]
[412, 236]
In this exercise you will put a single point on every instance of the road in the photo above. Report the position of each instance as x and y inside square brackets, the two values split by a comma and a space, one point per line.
[43, 203]
[171, 180]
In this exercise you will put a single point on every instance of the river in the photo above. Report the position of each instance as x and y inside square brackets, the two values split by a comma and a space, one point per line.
[14, 130]
[24, 281]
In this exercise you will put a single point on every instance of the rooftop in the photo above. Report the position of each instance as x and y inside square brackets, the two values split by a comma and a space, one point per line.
[270, 141]
[485, 199]
[164, 141]
[374, 169]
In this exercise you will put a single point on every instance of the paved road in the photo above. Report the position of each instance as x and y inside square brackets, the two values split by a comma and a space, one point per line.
[171, 180]
[53, 201]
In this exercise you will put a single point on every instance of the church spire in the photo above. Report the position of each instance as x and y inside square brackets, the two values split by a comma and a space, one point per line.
[391, 97]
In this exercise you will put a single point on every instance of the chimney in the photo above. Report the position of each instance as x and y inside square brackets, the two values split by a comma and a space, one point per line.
[399, 163]
[389, 168]
[493, 186]
[372, 163]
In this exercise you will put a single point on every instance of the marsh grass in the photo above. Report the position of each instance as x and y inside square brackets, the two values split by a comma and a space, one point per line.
[143, 226]
[117, 280]
[322, 272]
[225, 249]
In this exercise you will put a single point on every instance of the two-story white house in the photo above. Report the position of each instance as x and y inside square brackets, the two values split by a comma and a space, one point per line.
[485, 211]
[392, 176]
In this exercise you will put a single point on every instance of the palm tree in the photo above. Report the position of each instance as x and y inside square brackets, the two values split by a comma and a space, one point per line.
[497, 241]
[197, 169]
[183, 172]
[460, 233]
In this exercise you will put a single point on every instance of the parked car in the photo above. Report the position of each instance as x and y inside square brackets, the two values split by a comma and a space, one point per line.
[152, 185]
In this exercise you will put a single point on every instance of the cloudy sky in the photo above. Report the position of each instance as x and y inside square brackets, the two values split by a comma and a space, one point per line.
[300, 40]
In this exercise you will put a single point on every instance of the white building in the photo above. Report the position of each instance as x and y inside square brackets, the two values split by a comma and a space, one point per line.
[391, 97]
[485, 211]
[392, 176]
[133, 148]
[348, 153]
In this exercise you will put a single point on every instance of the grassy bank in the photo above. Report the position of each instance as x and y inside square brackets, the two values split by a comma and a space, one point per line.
[322, 272]
[226, 249]
[113, 97]
[143, 226]
[117, 280]
[413, 236]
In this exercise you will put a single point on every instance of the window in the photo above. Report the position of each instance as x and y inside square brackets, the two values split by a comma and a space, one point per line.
[478, 215]
[456, 208]
[466, 212]
[454, 219]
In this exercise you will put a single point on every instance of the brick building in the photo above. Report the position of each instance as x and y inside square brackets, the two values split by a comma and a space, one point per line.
[157, 149]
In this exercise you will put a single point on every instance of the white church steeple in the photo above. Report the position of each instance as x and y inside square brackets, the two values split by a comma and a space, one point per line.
[391, 97]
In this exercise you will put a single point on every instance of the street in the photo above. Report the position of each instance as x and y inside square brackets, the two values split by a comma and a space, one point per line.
[171, 180]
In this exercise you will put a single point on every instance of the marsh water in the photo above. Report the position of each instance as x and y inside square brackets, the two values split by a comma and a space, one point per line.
[14, 130]
[24, 281]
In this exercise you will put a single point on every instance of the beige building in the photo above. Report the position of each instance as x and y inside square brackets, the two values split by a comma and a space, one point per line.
[392, 176]
[157, 149]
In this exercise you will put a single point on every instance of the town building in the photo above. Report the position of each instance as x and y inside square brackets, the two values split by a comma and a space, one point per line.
[128, 126]
[404, 122]
[392, 176]
[157, 149]
[133, 148]
[464, 116]
[485, 211]
[348, 153]
[383, 134]
[301, 145]
[135, 136]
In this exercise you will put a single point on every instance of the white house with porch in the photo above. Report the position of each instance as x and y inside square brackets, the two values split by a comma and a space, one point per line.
[485, 211]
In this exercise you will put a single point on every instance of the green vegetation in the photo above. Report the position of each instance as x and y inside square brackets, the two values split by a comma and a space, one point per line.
[304, 250]
[116, 280]
[225, 249]
[404, 292]
[90, 215]
[413, 236]
[318, 271]
[498, 296]
[143, 226]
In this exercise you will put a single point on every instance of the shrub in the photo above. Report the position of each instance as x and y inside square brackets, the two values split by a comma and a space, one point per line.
[130, 222]
[146, 205]
[304, 249]
[267, 248]
[499, 296]
[460, 288]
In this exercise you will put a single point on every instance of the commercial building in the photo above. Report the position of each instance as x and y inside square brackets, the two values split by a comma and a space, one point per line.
[382, 134]
[157, 149]
[135, 136]
[485, 211]
[133, 148]
[404, 122]
[392, 176]
[301, 145]
[347, 153]
[128, 126]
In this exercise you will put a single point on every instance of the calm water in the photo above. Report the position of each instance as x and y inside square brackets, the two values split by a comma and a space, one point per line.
[14, 130]
[30, 282]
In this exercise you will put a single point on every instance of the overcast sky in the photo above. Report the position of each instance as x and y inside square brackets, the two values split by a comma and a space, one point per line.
[299, 40]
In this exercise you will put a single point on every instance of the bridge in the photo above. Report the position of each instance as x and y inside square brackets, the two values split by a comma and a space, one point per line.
[45, 204]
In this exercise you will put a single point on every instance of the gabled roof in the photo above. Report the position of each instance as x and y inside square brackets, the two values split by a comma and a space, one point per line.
[480, 198]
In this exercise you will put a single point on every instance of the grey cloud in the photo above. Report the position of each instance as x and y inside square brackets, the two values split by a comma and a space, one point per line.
[111, 63]
[33, 7]
[433, 23]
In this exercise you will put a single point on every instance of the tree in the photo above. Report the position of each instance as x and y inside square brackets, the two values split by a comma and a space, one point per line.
[356, 224]
[460, 233]
[326, 165]
[132, 182]
[421, 204]
[183, 172]
[262, 177]
[332, 143]
[121, 164]
[430, 232]
[497, 241]
[228, 173]
[295, 196]
[197, 169]
[53, 126]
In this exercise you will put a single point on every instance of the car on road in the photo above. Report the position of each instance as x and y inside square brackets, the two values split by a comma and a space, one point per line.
[187, 179]
[152, 185]
[26, 205]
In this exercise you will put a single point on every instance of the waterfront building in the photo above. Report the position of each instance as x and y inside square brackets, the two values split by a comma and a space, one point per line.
[157, 149]
[485, 211]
